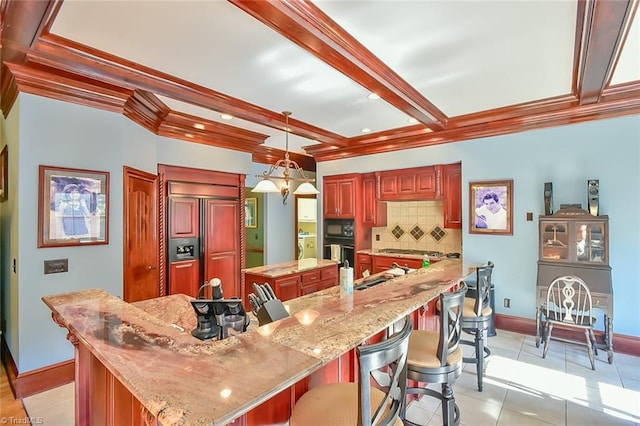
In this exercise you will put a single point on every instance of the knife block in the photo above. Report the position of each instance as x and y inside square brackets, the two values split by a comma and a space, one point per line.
[271, 310]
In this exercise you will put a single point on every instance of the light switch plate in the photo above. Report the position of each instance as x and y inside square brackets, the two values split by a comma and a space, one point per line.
[56, 266]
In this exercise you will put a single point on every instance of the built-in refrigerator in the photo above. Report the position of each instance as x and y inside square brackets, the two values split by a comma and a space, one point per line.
[203, 243]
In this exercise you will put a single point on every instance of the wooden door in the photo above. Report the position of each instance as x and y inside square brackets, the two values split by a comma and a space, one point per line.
[222, 244]
[141, 251]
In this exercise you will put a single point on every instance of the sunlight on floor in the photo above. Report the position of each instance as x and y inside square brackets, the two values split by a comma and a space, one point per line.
[546, 382]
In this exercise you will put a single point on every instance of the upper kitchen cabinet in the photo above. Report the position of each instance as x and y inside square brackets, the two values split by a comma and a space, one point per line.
[339, 196]
[452, 195]
[307, 210]
[374, 210]
[419, 183]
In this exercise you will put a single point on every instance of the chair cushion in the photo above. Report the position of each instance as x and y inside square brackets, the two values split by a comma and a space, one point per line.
[468, 309]
[334, 404]
[559, 318]
[423, 350]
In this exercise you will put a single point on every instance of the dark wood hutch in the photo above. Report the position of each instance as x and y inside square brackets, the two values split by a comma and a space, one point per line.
[574, 242]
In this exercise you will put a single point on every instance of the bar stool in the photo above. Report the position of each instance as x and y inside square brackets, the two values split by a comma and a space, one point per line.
[476, 319]
[436, 357]
[361, 403]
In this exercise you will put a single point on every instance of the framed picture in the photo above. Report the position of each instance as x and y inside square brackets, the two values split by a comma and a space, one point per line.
[251, 212]
[73, 207]
[4, 173]
[491, 207]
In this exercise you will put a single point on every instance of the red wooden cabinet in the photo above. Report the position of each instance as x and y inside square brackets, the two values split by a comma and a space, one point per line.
[374, 211]
[184, 277]
[419, 183]
[384, 263]
[452, 195]
[339, 196]
[184, 217]
[364, 264]
[294, 285]
[310, 282]
[286, 288]
[222, 245]
[328, 277]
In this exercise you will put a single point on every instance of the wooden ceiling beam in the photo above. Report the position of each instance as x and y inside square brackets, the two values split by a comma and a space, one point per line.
[570, 115]
[67, 55]
[606, 24]
[67, 87]
[192, 124]
[269, 155]
[21, 24]
[306, 25]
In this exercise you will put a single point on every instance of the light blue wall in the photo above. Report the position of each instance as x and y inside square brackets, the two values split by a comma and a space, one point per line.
[68, 135]
[568, 156]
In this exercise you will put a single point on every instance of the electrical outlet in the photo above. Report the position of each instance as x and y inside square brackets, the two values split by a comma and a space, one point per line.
[507, 303]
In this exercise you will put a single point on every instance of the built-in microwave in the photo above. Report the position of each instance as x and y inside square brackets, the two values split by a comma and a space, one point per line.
[338, 228]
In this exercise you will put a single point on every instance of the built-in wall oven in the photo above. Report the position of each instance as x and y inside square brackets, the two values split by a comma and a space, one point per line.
[339, 240]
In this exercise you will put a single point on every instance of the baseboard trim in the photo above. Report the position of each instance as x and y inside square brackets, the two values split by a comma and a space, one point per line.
[621, 342]
[36, 381]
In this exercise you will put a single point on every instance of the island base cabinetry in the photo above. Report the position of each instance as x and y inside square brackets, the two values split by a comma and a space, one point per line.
[101, 399]
[293, 285]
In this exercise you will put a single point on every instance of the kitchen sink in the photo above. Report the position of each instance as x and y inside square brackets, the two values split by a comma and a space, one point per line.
[411, 252]
[372, 282]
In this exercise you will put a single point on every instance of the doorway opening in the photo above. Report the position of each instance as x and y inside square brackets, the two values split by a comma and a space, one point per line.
[306, 227]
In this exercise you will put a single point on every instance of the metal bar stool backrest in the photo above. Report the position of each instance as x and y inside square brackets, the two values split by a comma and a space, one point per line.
[483, 283]
[450, 322]
[392, 354]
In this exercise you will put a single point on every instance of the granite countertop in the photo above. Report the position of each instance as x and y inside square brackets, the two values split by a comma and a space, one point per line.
[182, 380]
[287, 268]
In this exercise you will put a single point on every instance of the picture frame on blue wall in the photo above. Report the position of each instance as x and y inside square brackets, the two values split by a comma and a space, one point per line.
[73, 207]
[491, 207]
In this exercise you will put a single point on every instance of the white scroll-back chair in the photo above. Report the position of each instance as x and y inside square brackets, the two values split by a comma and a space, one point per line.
[569, 305]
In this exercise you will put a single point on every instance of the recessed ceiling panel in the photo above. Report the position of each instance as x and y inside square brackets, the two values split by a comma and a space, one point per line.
[628, 67]
[469, 56]
[216, 45]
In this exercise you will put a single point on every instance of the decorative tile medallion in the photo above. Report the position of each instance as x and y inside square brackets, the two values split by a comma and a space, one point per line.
[397, 232]
[417, 233]
[437, 233]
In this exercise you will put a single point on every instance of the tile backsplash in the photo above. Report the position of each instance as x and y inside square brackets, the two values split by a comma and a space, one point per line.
[417, 225]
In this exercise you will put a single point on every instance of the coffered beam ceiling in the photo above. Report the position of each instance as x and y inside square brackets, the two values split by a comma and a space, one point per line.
[36, 61]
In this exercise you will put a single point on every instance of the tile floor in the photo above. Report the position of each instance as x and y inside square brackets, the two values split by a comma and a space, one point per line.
[520, 388]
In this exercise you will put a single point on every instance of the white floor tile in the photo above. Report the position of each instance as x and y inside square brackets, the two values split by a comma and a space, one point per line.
[510, 418]
[579, 415]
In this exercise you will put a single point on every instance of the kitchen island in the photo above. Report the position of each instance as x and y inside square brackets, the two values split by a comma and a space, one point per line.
[133, 366]
[292, 279]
